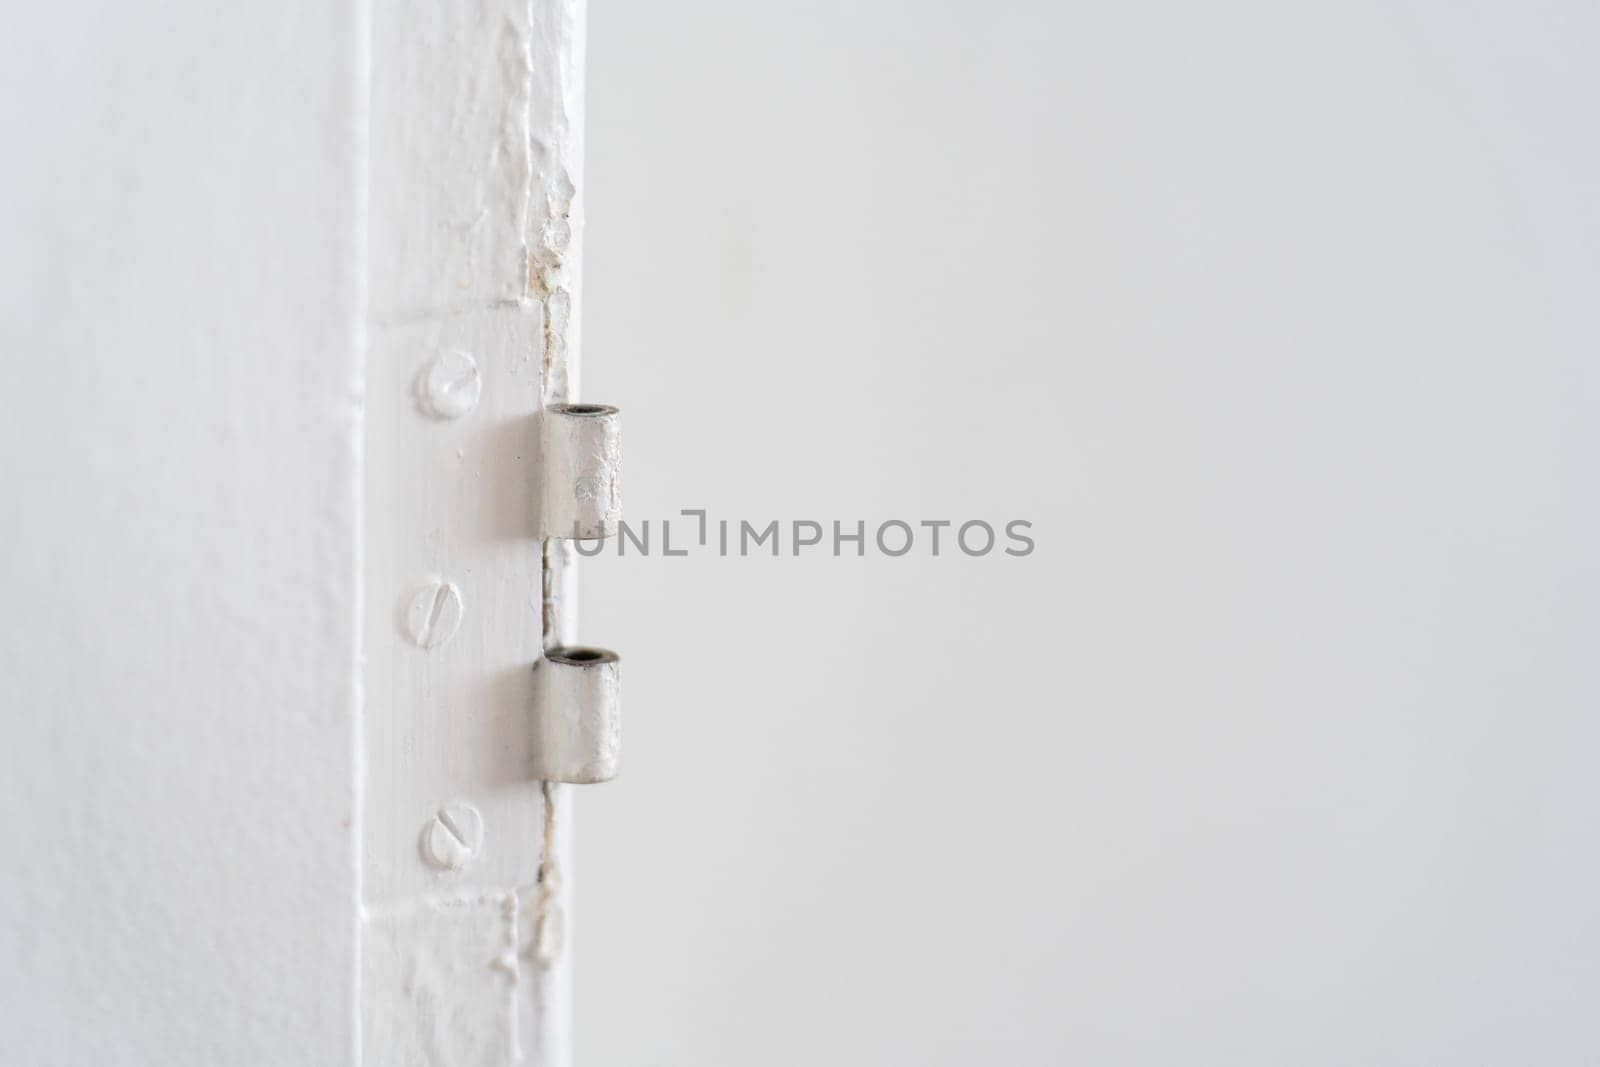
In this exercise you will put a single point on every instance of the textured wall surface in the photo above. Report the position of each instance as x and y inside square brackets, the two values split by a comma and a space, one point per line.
[178, 533]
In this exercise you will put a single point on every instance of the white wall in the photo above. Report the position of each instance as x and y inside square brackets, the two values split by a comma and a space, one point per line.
[1278, 321]
[1275, 319]
[236, 242]
[181, 323]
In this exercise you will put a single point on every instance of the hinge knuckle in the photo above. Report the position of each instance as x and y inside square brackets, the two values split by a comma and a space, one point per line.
[582, 478]
[577, 715]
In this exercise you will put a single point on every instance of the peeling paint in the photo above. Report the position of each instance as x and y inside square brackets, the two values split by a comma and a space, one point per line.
[439, 976]
[555, 138]
[549, 283]
[549, 930]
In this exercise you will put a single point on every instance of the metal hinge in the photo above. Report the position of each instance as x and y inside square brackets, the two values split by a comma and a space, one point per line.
[577, 700]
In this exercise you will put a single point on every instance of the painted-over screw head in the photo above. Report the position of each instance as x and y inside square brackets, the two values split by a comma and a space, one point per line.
[453, 836]
[433, 614]
[451, 385]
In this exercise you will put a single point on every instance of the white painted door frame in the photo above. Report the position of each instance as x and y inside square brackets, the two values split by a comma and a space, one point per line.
[474, 247]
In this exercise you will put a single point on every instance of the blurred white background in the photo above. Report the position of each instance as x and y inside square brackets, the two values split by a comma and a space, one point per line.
[1278, 322]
